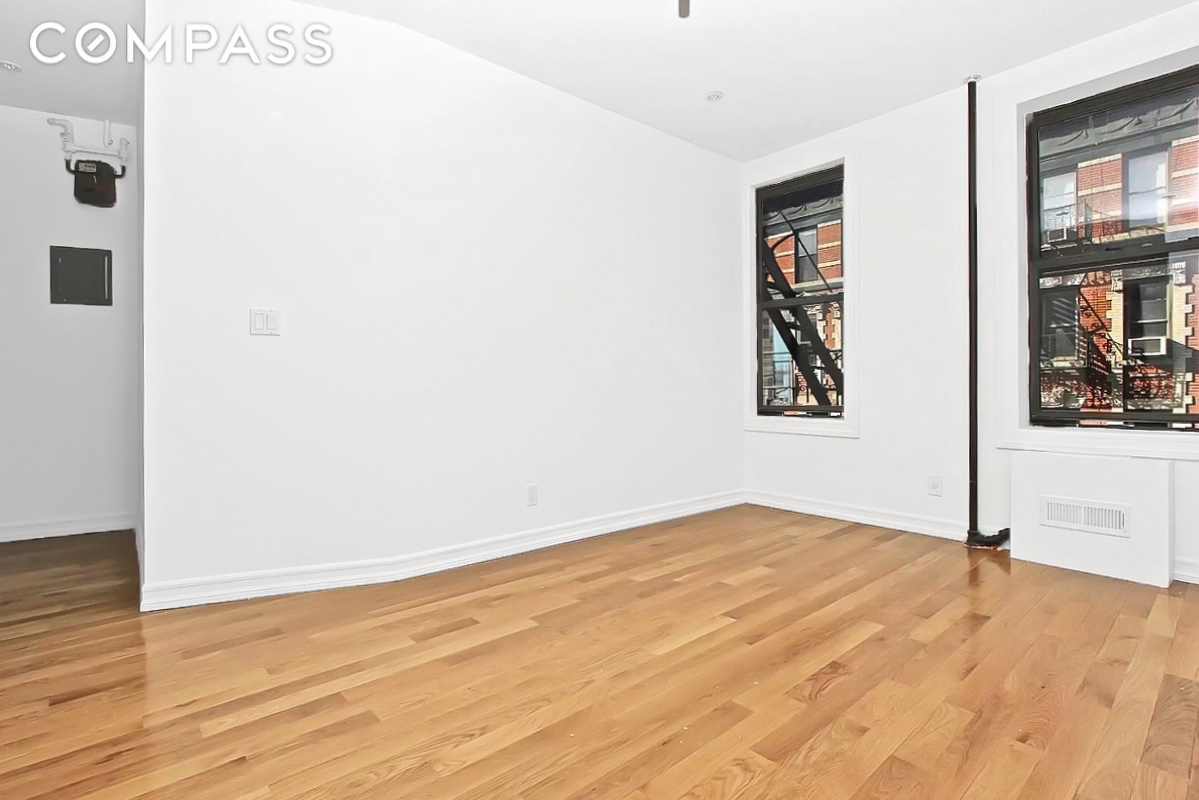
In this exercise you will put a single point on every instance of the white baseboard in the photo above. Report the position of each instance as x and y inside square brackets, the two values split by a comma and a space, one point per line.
[929, 526]
[21, 532]
[224, 588]
[1186, 570]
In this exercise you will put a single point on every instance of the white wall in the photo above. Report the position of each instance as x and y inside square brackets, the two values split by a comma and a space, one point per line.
[906, 318]
[484, 283]
[70, 403]
[1156, 46]
[907, 178]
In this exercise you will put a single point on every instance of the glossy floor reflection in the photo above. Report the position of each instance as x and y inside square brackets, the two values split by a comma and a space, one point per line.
[744, 653]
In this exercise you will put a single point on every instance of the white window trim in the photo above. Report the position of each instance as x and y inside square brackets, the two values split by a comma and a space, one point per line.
[768, 172]
[1003, 219]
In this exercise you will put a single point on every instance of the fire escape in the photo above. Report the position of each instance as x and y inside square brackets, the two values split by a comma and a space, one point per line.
[819, 381]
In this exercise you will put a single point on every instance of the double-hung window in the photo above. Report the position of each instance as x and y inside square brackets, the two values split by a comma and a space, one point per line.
[1114, 258]
[801, 296]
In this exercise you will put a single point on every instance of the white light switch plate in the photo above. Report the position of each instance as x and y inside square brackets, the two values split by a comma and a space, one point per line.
[264, 322]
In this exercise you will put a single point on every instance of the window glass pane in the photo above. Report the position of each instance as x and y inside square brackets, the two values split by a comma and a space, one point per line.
[1122, 174]
[1122, 339]
[795, 374]
[800, 299]
[802, 237]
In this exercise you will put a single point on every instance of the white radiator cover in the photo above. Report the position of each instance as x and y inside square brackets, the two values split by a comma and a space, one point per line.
[1106, 516]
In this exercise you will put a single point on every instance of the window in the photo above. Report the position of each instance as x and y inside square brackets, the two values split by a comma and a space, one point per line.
[807, 269]
[1145, 316]
[801, 296]
[1148, 203]
[1059, 311]
[1114, 258]
[1059, 206]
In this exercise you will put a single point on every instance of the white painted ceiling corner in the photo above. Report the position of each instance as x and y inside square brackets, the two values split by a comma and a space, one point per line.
[789, 70]
[111, 91]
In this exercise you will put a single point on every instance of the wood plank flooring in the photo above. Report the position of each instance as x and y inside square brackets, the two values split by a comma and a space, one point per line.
[745, 653]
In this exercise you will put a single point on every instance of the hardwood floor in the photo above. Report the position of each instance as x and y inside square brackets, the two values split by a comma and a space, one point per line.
[745, 654]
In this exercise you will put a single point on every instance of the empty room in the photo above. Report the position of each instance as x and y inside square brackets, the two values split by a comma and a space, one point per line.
[626, 400]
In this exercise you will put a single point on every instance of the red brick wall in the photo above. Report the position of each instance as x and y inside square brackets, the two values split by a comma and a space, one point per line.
[828, 252]
[1101, 198]
[784, 254]
[1184, 157]
[828, 240]
[1102, 353]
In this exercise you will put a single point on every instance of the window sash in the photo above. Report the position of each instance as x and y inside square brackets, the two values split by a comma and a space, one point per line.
[808, 381]
[1147, 203]
[1155, 243]
[1113, 374]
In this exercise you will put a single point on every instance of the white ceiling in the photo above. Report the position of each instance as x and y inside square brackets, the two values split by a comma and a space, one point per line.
[72, 88]
[790, 69]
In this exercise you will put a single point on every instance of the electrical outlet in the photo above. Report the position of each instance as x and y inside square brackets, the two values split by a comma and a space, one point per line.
[531, 494]
[935, 483]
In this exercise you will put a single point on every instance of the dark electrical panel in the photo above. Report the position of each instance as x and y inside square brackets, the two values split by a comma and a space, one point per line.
[80, 277]
[95, 183]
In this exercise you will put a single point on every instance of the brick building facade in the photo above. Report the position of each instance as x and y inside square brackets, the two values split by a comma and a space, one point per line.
[1111, 357]
[812, 264]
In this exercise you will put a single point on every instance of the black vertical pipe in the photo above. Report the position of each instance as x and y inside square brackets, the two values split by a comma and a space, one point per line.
[975, 537]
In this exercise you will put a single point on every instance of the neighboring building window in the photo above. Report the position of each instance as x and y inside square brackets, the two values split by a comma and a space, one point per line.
[1059, 206]
[1059, 314]
[1114, 258]
[807, 266]
[801, 296]
[1146, 320]
[1148, 201]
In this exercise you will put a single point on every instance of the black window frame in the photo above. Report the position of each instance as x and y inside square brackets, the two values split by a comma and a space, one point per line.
[765, 303]
[1090, 257]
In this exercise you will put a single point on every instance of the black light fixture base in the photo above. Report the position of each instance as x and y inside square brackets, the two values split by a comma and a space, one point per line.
[980, 541]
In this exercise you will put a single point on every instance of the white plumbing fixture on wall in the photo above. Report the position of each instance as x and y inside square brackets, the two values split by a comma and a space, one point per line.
[73, 150]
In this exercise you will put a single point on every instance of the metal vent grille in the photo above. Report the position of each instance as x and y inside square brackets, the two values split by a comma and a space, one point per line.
[1088, 516]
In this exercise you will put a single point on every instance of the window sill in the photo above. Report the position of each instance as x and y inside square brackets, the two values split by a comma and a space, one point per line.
[1167, 445]
[802, 426]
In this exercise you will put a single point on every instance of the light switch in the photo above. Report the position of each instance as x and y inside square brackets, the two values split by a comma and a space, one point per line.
[264, 322]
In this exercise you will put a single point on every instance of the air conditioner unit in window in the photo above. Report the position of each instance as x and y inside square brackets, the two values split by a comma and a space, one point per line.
[1057, 234]
[1147, 346]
